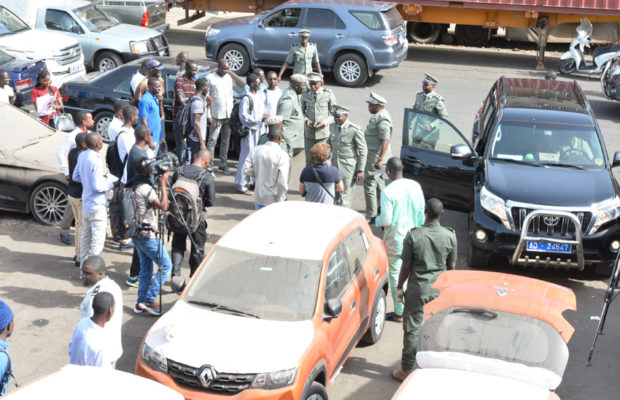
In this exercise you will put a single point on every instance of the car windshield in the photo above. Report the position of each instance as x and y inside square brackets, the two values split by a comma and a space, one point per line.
[266, 287]
[548, 144]
[94, 19]
[9, 23]
[5, 58]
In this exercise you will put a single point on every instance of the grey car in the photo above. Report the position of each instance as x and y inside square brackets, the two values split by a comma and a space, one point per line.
[354, 38]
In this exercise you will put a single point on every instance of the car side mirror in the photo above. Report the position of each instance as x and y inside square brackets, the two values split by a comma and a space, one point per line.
[460, 152]
[76, 29]
[333, 308]
[616, 161]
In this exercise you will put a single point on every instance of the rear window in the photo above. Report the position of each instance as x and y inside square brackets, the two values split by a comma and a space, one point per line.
[370, 19]
[392, 18]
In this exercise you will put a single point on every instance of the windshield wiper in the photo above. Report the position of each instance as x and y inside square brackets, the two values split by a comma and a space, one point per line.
[477, 310]
[563, 165]
[217, 306]
[521, 162]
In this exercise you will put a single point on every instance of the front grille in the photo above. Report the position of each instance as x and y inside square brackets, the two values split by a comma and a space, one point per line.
[69, 55]
[226, 384]
[564, 227]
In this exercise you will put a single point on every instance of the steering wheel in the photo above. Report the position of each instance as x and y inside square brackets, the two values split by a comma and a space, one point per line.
[574, 156]
[276, 21]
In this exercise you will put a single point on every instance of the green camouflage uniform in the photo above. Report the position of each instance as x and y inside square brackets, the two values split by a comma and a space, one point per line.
[430, 103]
[427, 250]
[379, 128]
[348, 155]
[317, 107]
[302, 59]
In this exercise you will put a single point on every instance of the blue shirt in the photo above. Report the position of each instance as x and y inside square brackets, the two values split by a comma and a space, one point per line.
[149, 108]
[329, 177]
[89, 172]
[4, 364]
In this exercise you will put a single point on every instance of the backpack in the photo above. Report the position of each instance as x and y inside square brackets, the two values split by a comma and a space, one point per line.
[235, 121]
[113, 158]
[186, 204]
[123, 214]
[186, 125]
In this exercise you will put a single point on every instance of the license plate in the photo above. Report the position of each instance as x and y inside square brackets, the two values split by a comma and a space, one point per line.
[549, 247]
[75, 68]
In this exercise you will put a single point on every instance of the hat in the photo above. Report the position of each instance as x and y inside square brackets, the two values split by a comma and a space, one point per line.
[299, 78]
[314, 77]
[155, 64]
[429, 80]
[275, 120]
[6, 315]
[339, 111]
[376, 99]
[304, 32]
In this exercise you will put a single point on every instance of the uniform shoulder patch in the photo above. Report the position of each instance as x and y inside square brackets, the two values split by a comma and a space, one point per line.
[355, 126]
[450, 229]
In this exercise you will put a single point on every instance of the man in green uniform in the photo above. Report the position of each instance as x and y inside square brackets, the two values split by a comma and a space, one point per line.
[378, 135]
[348, 153]
[289, 108]
[317, 104]
[426, 132]
[302, 56]
[427, 252]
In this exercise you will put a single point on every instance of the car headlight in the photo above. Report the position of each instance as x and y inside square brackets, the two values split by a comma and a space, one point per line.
[212, 31]
[274, 380]
[139, 47]
[154, 358]
[495, 206]
[604, 212]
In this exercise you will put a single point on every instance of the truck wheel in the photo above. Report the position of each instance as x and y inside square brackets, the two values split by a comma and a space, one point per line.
[423, 32]
[471, 35]
[101, 124]
[377, 320]
[567, 66]
[107, 61]
[237, 57]
[48, 203]
[350, 70]
[316, 392]
[476, 259]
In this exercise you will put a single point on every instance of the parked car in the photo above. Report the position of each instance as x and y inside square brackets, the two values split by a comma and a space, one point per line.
[23, 75]
[491, 335]
[106, 43]
[145, 13]
[62, 55]
[354, 38]
[31, 178]
[610, 80]
[273, 312]
[535, 180]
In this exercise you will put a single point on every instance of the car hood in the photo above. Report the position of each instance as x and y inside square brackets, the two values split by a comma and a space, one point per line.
[229, 343]
[42, 154]
[131, 32]
[551, 186]
[235, 21]
[35, 44]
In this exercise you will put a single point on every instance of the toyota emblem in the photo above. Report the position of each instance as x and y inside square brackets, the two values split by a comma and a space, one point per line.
[207, 376]
[551, 221]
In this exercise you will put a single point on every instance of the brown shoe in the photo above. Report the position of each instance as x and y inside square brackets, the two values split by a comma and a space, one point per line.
[401, 374]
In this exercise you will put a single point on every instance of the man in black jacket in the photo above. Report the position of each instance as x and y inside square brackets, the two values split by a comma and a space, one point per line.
[74, 191]
[206, 184]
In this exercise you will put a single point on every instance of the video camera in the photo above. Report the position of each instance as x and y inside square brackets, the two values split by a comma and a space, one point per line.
[162, 163]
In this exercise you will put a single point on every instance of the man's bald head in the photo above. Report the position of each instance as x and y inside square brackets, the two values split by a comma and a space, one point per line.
[202, 158]
[434, 209]
[394, 168]
[275, 133]
[92, 139]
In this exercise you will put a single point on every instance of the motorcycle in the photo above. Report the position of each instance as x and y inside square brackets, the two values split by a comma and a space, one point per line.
[610, 80]
[574, 59]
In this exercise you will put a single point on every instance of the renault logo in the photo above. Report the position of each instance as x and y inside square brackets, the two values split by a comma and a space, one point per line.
[551, 221]
[207, 376]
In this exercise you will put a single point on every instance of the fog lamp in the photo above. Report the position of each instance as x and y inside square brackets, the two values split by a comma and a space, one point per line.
[614, 245]
[481, 235]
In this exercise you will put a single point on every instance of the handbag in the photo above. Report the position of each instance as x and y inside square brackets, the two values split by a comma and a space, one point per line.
[63, 122]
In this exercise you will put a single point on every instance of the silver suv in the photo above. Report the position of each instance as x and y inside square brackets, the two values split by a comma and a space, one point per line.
[355, 38]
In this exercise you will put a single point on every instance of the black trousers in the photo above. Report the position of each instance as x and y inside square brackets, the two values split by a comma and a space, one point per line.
[179, 244]
[134, 270]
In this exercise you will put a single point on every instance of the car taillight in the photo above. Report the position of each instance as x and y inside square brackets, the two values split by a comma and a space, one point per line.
[22, 85]
[145, 20]
[390, 40]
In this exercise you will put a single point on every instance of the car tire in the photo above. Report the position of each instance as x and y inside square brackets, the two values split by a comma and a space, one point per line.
[423, 32]
[377, 320]
[316, 392]
[107, 61]
[350, 70]
[567, 66]
[101, 124]
[471, 35]
[237, 57]
[476, 259]
[48, 203]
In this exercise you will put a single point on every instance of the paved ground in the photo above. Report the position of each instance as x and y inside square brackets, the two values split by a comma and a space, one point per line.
[40, 283]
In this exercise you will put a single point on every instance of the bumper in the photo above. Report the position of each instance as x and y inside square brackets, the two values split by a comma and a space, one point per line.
[211, 48]
[390, 58]
[127, 57]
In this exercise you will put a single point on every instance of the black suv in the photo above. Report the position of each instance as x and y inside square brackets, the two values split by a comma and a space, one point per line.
[535, 180]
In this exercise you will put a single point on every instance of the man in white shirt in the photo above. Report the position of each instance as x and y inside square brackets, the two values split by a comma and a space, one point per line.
[272, 94]
[268, 164]
[95, 184]
[200, 114]
[117, 121]
[89, 345]
[221, 92]
[126, 137]
[84, 121]
[94, 275]
[7, 95]
[139, 76]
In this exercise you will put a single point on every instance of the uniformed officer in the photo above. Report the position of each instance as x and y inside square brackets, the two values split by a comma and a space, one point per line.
[317, 104]
[289, 108]
[302, 56]
[273, 120]
[427, 252]
[348, 153]
[378, 135]
[426, 132]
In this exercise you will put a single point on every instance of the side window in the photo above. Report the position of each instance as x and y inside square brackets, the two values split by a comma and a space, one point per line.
[338, 274]
[169, 80]
[488, 119]
[124, 86]
[427, 131]
[357, 250]
[60, 21]
[284, 18]
[369, 19]
[323, 18]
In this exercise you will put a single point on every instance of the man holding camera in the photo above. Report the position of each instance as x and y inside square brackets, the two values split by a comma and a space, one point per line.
[206, 185]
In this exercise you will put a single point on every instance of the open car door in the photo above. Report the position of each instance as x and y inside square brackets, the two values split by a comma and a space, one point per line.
[436, 155]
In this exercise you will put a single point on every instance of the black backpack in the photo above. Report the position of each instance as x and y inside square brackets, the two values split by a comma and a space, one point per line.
[124, 214]
[186, 204]
[235, 122]
[186, 125]
[113, 159]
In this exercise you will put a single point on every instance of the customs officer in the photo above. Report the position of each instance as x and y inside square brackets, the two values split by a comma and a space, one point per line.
[303, 56]
[317, 103]
[426, 132]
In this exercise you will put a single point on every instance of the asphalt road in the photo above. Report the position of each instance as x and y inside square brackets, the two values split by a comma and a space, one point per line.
[39, 282]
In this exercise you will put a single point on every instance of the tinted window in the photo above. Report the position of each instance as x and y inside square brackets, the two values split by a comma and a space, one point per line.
[124, 85]
[10, 23]
[370, 19]
[427, 131]
[357, 250]
[286, 17]
[392, 18]
[323, 18]
[59, 21]
[338, 274]
[169, 79]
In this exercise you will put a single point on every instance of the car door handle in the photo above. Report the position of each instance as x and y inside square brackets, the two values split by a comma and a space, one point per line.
[339, 36]
[292, 34]
[353, 304]
[412, 160]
